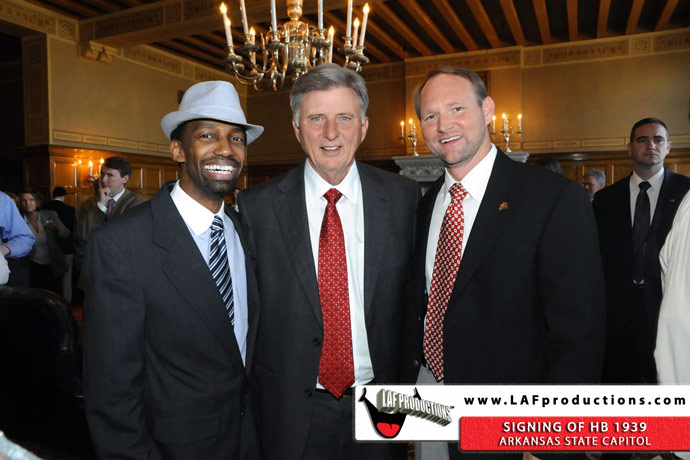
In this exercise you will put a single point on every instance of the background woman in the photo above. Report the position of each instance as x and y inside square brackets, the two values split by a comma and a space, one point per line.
[47, 262]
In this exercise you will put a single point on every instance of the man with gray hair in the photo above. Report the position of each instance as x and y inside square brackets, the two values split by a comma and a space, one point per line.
[593, 181]
[333, 237]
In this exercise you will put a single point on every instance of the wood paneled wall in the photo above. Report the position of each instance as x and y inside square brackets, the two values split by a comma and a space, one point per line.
[47, 167]
[616, 165]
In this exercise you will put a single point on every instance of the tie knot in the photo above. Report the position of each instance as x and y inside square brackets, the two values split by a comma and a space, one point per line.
[332, 196]
[644, 186]
[217, 224]
[457, 191]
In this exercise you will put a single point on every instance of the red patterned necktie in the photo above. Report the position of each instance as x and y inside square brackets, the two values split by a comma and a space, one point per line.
[336, 369]
[109, 208]
[446, 265]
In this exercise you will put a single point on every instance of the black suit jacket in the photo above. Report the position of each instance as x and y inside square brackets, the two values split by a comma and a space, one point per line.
[164, 377]
[68, 216]
[291, 329]
[528, 301]
[612, 211]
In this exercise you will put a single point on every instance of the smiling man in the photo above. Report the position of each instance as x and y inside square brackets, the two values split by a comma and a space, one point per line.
[333, 238]
[170, 325]
[634, 216]
[505, 280]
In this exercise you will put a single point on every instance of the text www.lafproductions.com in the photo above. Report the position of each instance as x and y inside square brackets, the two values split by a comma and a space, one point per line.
[546, 401]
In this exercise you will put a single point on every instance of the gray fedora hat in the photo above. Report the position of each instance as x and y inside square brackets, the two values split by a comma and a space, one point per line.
[211, 100]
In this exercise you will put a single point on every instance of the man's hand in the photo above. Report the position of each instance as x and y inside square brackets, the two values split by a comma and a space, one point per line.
[104, 195]
[4, 250]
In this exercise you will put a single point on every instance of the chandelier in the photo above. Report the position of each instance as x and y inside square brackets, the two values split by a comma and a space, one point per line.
[292, 49]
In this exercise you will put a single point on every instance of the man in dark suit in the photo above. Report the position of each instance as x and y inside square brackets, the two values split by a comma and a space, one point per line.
[505, 282]
[171, 302]
[333, 239]
[68, 216]
[630, 251]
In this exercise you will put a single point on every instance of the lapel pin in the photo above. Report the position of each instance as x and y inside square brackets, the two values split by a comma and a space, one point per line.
[503, 206]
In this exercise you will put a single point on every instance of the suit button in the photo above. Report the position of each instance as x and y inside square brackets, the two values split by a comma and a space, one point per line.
[316, 341]
[419, 318]
[308, 392]
[416, 363]
[242, 413]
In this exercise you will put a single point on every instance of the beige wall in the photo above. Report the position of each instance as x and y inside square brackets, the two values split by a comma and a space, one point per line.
[575, 97]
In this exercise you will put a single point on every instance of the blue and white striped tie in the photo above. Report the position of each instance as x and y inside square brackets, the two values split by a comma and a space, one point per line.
[218, 264]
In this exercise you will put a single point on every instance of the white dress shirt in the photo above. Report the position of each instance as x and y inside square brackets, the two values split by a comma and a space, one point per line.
[656, 181]
[199, 220]
[475, 183]
[104, 207]
[351, 212]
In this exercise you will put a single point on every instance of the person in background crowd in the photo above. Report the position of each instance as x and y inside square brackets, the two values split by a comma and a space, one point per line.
[17, 238]
[46, 260]
[333, 238]
[550, 164]
[634, 216]
[112, 197]
[68, 216]
[593, 181]
[505, 280]
[171, 306]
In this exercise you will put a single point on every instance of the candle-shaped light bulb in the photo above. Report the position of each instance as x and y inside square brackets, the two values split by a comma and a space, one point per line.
[364, 23]
[252, 32]
[75, 175]
[226, 23]
[402, 129]
[274, 21]
[354, 40]
[90, 168]
[413, 128]
[349, 18]
[331, 35]
[102, 161]
[243, 10]
[505, 121]
[519, 122]
[320, 18]
[493, 124]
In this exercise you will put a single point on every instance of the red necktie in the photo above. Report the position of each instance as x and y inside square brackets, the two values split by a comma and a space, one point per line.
[446, 265]
[109, 208]
[336, 369]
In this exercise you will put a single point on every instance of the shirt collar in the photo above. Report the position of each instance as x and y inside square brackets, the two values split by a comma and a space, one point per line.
[119, 195]
[477, 179]
[655, 181]
[195, 215]
[315, 186]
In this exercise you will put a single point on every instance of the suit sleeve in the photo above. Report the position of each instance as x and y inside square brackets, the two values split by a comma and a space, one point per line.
[114, 316]
[572, 290]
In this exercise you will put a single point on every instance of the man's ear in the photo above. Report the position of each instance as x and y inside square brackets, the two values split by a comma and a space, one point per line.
[126, 178]
[176, 151]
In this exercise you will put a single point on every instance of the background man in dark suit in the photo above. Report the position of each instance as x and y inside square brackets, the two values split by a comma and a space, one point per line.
[303, 278]
[68, 216]
[630, 251]
[506, 283]
[171, 304]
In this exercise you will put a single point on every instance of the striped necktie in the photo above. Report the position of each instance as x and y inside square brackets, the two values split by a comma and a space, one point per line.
[218, 264]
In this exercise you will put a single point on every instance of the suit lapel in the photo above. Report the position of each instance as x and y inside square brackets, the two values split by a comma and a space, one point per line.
[666, 203]
[253, 309]
[418, 264]
[291, 212]
[489, 221]
[188, 272]
[376, 209]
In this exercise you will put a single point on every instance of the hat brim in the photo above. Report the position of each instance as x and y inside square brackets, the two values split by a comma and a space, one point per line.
[175, 119]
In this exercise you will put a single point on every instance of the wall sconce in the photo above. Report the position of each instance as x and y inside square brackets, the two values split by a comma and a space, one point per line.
[412, 136]
[507, 129]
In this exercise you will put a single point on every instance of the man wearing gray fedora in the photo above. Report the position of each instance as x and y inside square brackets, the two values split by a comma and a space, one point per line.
[170, 327]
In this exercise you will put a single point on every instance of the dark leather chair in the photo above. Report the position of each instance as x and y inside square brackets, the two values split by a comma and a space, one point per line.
[40, 368]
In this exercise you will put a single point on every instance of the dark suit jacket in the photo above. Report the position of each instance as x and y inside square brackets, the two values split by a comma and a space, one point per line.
[68, 216]
[291, 328]
[164, 377]
[528, 301]
[612, 211]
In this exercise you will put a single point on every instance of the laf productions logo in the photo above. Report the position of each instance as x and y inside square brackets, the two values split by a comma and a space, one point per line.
[392, 408]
